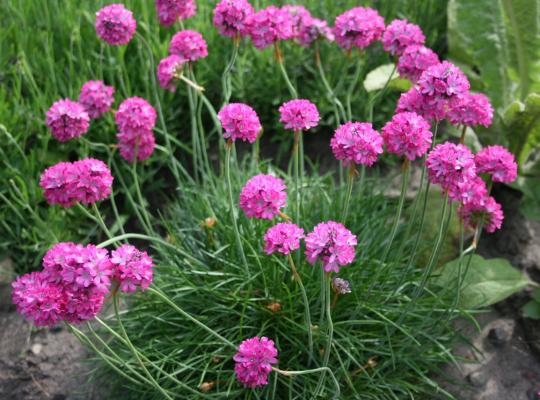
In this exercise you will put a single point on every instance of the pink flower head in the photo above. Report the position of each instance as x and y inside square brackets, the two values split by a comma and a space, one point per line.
[96, 98]
[332, 244]
[399, 35]
[132, 268]
[485, 211]
[358, 27]
[498, 162]
[67, 119]
[253, 361]
[231, 17]
[136, 145]
[83, 305]
[415, 60]
[269, 25]
[171, 11]
[188, 45]
[449, 164]
[299, 114]
[444, 81]
[263, 196]
[239, 121]
[314, 29]
[115, 24]
[341, 286]
[407, 135]
[430, 108]
[470, 109]
[465, 191]
[283, 237]
[167, 69]
[135, 114]
[299, 16]
[357, 142]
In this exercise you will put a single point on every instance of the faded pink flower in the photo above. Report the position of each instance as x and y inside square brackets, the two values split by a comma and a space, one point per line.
[134, 115]
[171, 11]
[299, 16]
[399, 35]
[299, 114]
[67, 119]
[231, 17]
[188, 45]
[332, 244]
[166, 71]
[407, 135]
[498, 162]
[239, 121]
[314, 29]
[485, 211]
[470, 109]
[253, 361]
[115, 24]
[133, 268]
[341, 286]
[450, 164]
[444, 81]
[269, 25]
[358, 27]
[356, 142]
[263, 196]
[283, 237]
[429, 108]
[415, 60]
[96, 98]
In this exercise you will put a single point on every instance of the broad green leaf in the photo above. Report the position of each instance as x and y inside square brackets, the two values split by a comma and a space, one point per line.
[486, 282]
[378, 78]
[536, 295]
[532, 310]
[522, 124]
[530, 203]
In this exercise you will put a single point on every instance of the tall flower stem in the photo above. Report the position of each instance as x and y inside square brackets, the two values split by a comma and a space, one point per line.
[339, 110]
[283, 70]
[195, 142]
[373, 99]
[350, 184]
[330, 335]
[226, 82]
[296, 165]
[323, 370]
[96, 217]
[463, 132]
[352, 86]
[139, 195]
[307, 314]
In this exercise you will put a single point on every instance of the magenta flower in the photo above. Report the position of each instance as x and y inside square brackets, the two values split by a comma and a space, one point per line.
[498, 162]
[134, 115]
[96, 98]
[115, 24]
[429, 108]
[263, 196]
[239, 121]
[283, 237]
[136, 145]
[449, 164]
[253, 361]
[188, 45]
[67, 119]
[470, 109]
[356, 142]
[269, 25]
[231, 17]
[341, 286]
[314, 29]
[407, 135]
[94, 181]
[485, 211]
[399, 35]
[332, 244]
[299, 16]
[167, 70]
[171, 11]
[358, 27]
[415, 60]
[133, 268]
[468, 190]
[299, 114]
[444, 81]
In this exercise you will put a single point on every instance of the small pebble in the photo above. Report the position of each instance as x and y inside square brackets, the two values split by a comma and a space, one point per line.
[477, 378]
[499, 335]
[36, 348]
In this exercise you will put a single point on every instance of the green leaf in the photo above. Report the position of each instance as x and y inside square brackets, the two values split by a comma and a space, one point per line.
[486, 282]
[522, 124]
[536, 295]
[378, 78]
[531, 310]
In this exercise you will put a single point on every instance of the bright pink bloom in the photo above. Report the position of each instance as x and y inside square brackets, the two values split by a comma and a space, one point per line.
[299, 114]
[415, 60]
[341, 286]
[357, 142]
[115, 24]
[132, 268]
[430, 108]
[332, 244]
[358, 27]
[135, 114]
[263, 196]
[399, 35]
[269, 25]
[171, 11]
[188, 45]
[468, 190]
[239, 121]
[94, 181]
[314, 29]
[444, 81]
[283, 237]
[167, 70]
[485, 211]
[96, 98]
[407, 135]
[253, 361]
[299, 16]
[67, 119]
[498, 162]
[470, 109]
[136, 145]
[450, 164]
[231, 17]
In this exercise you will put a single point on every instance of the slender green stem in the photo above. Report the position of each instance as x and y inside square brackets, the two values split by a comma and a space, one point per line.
[330, 333]
[226, 82]
[283, 70]
[352, 86]
[138, 192]
[313, 371]
[339, 110]
[195, 142]
[350, 184]
[372, 100]
[296, 169]
[101, 221]
[135, 236]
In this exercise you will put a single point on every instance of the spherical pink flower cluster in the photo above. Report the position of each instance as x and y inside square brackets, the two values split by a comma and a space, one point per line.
[85, 181]
[470, 109]
[132, 268]
[415, 60]
[358, 27]
[450, 165]
[407, 135]
[166, 71]
[283, 237]
[231, 17]
[171, 11]
[253, 361]
[314, 29]
[263, 196]
[299, 16]
[67, 119]
[269, 25]
[399, 35]
[485, 211]
[341, 286]
[96, 98]
[465, 191]
[430, 108]
[115, 24]
[299, 114]
[188, 45]
[356, 142]
[443, 81]
[239, 121]
[498, 162]
[332, 244]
